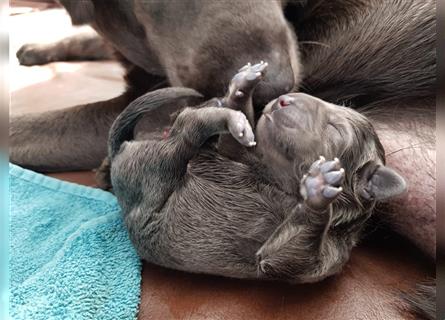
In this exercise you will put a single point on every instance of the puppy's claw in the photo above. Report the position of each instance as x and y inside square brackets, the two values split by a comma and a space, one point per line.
[239, 94]
[315, 167]
[245, 67]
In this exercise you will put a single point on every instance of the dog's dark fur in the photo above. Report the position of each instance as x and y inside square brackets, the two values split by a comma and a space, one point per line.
[363, 53]
[188, 207]
[421, 301]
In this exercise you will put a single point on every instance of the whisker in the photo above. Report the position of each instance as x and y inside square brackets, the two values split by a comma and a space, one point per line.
[405, 148]
[316, 43]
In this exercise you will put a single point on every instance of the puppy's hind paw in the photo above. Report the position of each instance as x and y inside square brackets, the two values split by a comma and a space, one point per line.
[240, 128]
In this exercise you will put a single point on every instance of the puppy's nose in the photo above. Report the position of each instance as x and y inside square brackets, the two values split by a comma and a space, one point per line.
[276, 82]
[285, 100]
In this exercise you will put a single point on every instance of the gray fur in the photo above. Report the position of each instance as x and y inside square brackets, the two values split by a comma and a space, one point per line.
[363, 53]
[395, 57]
[160, 52]
[188, 207]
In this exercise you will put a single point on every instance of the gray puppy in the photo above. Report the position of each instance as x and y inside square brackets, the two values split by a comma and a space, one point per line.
[272, 214]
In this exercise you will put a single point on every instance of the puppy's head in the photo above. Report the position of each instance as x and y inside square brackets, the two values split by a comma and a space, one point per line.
[295, 129]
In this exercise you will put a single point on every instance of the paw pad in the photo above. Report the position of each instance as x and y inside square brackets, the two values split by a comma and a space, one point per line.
[322, 184]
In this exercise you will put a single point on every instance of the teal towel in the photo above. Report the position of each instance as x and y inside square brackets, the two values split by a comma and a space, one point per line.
[70, 255]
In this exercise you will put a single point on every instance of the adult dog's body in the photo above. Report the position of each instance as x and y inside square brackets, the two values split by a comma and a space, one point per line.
[373, 54]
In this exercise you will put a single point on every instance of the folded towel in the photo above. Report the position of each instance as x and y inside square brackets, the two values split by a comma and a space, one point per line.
[70, 255]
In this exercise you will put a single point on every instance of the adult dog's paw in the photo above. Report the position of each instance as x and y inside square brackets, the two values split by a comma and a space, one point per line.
[33, 54]
[322, 184]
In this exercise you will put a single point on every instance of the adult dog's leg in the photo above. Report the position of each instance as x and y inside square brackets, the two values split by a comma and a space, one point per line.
[68, 139]
[73, 138]
[87, 45]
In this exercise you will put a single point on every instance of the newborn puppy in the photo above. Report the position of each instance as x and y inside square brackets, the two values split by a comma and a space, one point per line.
[280, 211]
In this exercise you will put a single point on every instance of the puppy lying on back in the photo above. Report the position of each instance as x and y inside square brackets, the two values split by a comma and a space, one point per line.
[272, 210]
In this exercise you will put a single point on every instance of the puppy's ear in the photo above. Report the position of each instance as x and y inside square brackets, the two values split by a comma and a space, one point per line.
[80, 11]
[378, 182]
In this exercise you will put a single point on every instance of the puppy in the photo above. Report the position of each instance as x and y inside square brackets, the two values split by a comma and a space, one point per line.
[275, 213]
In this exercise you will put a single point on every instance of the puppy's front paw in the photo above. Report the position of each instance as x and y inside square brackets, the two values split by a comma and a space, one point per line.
[322, 184]
[240, 128]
